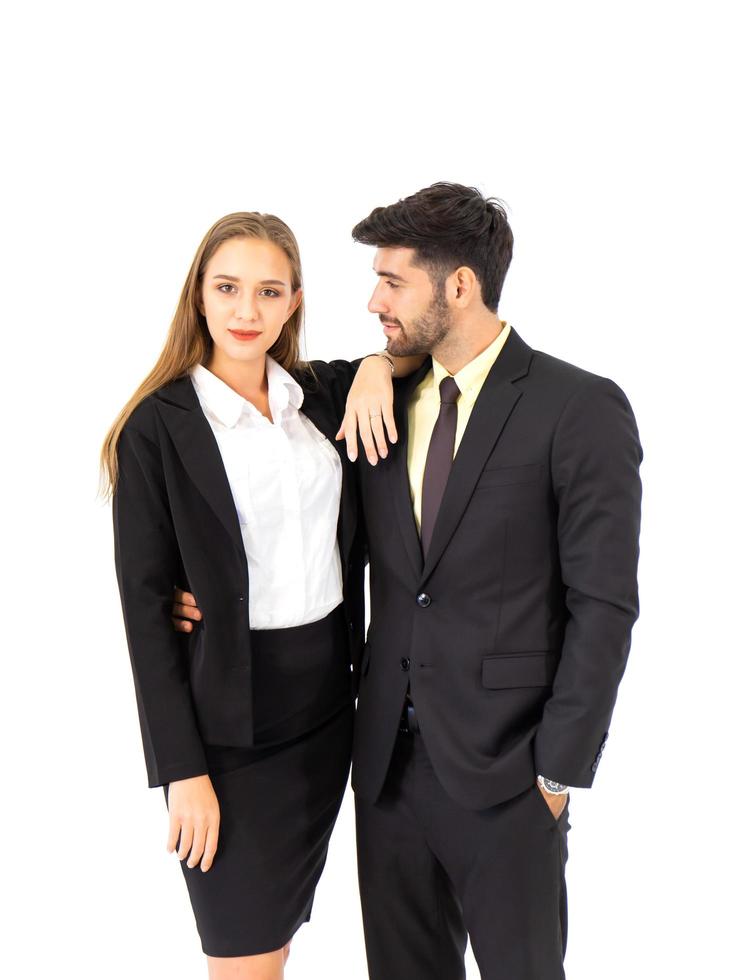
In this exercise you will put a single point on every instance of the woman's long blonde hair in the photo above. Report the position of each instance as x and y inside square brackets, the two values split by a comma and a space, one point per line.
[189, 343]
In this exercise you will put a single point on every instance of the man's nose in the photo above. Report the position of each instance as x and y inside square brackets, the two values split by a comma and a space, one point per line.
[376, 305]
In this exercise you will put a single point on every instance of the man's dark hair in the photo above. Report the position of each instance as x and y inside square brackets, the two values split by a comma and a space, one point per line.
[448, 225]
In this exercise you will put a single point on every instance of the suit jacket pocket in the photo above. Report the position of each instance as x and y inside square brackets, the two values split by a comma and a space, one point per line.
[502, 476]
[533, 669]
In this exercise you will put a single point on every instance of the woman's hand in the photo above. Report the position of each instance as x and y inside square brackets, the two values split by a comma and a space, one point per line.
[195, 814]
[369, 406]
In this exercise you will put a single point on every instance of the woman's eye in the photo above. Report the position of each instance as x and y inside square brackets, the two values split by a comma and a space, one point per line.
[221, 288]
[272, 292]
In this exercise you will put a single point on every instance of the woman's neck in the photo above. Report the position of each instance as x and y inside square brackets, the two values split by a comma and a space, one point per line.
[247, 378]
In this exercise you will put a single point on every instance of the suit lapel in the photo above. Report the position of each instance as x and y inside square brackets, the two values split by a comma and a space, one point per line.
[490, 412]
[198, 450]
[398, 471]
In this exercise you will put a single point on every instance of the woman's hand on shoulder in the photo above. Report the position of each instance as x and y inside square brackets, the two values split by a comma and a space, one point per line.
[194, 814]
[369, 410]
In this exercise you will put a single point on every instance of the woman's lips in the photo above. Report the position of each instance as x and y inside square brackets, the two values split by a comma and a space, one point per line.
[245, 334]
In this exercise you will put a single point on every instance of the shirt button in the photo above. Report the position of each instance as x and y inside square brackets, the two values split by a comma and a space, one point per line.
[423, 600]
[405, 663]
[241, 598]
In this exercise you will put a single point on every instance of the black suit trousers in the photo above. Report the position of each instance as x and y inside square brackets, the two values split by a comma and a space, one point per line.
[433, 873]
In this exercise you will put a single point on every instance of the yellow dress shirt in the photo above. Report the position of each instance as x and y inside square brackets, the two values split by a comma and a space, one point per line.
[424, 407]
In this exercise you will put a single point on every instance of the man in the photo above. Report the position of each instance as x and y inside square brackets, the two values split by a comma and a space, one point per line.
[502, 530]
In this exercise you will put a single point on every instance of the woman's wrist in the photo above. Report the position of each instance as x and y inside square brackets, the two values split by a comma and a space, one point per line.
[386, 357]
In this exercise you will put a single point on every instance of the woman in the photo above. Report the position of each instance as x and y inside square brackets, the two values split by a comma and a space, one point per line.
[227, 478]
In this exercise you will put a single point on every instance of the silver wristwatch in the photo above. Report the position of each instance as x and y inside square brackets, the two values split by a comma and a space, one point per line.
[558, 789]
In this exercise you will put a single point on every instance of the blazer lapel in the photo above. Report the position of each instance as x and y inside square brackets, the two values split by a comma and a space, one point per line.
[398, 471]
[198, 450]
[490, 412]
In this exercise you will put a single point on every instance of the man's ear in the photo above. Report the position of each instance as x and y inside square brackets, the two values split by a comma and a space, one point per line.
[466, 284]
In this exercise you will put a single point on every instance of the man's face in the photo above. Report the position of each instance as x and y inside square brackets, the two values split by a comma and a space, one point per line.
[415, 316]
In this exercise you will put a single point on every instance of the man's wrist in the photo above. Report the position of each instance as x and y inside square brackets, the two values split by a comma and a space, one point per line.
[552, 787]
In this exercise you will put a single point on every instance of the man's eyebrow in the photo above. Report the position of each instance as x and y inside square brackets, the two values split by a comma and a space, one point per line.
[389, 275]
[264, 282]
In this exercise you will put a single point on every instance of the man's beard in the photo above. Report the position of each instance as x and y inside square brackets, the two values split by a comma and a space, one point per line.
[425, 333]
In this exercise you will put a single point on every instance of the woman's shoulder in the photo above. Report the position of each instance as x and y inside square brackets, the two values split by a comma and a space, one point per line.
[143, 419]
[314, 377]
[326, 377]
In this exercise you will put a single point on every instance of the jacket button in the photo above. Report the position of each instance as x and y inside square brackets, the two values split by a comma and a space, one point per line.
[241, 598]
[405, 663]
[423, 600]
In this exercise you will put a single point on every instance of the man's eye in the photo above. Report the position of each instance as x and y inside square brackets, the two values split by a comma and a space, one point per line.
[393, 285]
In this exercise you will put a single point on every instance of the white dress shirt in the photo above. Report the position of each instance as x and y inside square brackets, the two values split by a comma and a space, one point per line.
[285, 478]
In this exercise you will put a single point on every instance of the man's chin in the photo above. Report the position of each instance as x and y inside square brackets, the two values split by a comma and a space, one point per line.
[402, 348]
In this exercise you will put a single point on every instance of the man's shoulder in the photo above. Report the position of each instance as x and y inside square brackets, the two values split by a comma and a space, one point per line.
[563, 373]
[563, 379]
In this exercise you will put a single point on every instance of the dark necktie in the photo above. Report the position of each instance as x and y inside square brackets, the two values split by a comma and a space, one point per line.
[439, 458]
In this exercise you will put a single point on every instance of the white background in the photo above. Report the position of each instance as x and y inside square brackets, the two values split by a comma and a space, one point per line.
[612, 132]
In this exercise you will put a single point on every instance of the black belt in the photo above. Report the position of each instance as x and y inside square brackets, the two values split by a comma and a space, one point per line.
[408, 723]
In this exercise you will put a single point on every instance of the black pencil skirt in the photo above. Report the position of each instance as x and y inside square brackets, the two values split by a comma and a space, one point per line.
[278, 800]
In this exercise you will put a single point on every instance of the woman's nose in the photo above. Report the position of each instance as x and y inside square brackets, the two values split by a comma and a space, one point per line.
[246, 309]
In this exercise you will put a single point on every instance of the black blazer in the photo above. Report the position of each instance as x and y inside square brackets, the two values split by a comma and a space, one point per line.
[514, 633]
[175, 523]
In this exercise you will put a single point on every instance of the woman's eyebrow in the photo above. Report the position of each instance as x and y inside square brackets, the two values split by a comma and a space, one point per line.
[264, 282]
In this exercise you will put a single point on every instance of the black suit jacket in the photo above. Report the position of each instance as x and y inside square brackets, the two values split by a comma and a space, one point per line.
[175, 523]
[514, 633]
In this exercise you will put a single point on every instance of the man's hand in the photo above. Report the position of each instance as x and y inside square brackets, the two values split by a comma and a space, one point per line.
[369, 406]
[556, 801]
[194, 813]
[183, 610]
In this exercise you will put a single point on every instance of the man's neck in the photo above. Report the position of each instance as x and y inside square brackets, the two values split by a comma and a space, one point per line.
[462, 345]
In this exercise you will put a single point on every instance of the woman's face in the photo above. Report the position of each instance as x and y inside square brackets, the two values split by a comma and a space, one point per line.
[246, 298]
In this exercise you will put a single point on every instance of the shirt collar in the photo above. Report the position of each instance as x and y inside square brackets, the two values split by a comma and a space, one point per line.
[227, 405]
[474, 373]
[283, 388]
